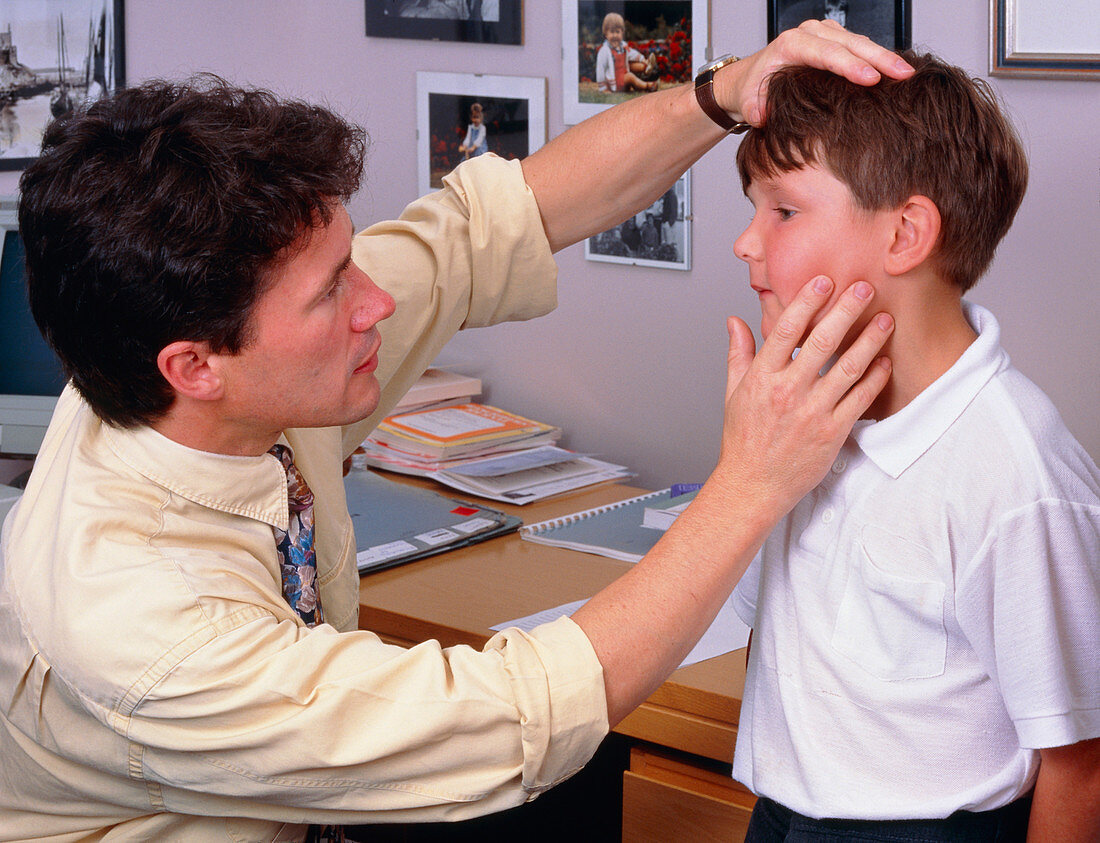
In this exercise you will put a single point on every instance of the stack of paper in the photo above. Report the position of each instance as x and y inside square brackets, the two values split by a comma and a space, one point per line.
[523, 476]
[483, 451]
[438, 388]
[429, 437]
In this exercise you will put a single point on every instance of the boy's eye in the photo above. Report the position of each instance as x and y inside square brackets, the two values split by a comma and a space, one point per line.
[784, 213]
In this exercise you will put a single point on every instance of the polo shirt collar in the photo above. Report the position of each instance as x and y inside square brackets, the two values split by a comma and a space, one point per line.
[254, 487]
[896, 442]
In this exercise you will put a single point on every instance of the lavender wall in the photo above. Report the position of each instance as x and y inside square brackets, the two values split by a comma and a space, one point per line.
[631, 364]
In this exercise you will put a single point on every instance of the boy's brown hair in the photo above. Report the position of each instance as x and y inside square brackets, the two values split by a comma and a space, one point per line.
[940, 133]
[613, 19]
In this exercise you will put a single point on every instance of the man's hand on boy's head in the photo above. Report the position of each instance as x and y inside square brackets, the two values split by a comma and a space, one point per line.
[785, 422]
[741, 88]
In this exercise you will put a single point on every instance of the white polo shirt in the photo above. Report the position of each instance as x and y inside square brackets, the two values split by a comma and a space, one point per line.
[929, 616]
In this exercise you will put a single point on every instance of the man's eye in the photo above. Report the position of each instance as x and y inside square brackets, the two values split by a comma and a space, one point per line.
[784, 213]
[335, 288]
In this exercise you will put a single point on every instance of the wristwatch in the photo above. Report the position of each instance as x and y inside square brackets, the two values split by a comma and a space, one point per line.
[704, 93]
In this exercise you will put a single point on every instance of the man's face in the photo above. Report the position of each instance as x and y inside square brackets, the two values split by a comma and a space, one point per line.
[805, 224]
[313, 342]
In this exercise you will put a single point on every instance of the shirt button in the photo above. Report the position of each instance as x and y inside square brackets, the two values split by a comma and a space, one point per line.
[827, 516]
[839, 466]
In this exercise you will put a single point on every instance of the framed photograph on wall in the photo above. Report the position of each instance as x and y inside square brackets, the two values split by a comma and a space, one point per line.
[659, 236]
[613, 50]
[1030, 38]
[53, 56]
[886, 22]
[479, 21]
[462, 115]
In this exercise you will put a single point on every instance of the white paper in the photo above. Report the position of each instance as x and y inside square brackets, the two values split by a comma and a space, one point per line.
[726, 634]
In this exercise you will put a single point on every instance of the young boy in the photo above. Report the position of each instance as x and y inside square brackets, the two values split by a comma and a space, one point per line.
[619, 67]
[926, 622]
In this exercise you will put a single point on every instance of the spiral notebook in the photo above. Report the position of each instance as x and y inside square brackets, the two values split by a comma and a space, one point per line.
[615, 530]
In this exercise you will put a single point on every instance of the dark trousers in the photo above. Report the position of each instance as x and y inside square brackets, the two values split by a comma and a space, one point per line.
[772, 823]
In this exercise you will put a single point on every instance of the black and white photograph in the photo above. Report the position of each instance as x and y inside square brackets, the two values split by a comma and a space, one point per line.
[886, 22]
[485, 21]
[614, 50]
[53, 56]
[659, 236]
[463, 115]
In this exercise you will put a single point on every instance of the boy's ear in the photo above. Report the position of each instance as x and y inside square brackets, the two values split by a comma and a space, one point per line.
[191, 369]
[916, 232]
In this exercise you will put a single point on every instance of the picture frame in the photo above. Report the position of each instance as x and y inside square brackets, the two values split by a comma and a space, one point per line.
[513, 112]
[1026, 40]
[659, 236]
[674, 32]
[474, 21]
[52, 56]
[886, 22]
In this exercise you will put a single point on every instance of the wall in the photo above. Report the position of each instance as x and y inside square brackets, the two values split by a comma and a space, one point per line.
[632, 362]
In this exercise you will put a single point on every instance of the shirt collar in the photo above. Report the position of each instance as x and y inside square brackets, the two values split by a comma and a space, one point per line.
[896, 442]
[254, 487]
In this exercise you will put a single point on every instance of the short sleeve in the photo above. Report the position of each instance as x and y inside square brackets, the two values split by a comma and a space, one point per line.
[1030, 606]
[744, 598]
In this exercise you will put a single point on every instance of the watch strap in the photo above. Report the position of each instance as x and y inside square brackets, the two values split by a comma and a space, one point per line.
[704, 95]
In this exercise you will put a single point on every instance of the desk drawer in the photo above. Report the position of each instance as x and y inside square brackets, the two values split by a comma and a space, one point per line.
[670, 798]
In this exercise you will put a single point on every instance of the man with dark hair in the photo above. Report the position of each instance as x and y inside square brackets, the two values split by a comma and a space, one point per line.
[179, 651]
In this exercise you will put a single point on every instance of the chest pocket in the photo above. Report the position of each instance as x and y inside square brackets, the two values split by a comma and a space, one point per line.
[891, 624]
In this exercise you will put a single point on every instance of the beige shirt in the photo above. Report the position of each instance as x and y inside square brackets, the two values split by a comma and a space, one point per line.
[154, 685]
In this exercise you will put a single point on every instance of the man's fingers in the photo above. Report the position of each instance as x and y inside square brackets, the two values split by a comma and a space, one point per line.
[787, 334]
[860, 397]
[741, 353]
[856, 57]
[827, 335]
[856, 379]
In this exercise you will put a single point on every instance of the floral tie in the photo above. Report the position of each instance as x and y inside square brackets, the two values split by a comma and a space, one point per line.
[297, 557]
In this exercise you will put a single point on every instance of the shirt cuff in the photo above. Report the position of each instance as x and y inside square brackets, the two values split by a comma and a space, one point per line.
[559, 690]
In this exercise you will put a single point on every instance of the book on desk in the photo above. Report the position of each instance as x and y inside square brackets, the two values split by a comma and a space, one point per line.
[617, 530]
[397, 523]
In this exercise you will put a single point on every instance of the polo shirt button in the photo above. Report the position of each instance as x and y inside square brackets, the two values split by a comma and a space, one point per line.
[839, 466]
[827, 516]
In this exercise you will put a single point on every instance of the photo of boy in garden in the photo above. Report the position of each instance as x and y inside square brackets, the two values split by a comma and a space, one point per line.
[632, 48]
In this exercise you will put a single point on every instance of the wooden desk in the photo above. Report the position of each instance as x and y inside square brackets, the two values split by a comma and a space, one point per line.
[682, 738]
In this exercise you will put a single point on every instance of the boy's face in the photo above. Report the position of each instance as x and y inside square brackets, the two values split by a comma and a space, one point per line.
[614, 34]
[805, 224]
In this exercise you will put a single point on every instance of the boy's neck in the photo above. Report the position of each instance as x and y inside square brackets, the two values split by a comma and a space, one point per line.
[931, 333]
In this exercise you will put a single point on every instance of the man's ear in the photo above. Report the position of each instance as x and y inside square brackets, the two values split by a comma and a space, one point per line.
[916, 232]
[191, 369]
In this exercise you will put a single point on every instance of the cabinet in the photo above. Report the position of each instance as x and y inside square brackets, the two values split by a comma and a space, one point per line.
[677, 784]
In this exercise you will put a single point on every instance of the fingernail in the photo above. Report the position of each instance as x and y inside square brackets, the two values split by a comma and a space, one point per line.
[862, 290]
[868, 73]
[822, 285]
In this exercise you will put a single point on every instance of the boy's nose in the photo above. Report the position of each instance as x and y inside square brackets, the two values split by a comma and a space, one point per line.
[747, 246]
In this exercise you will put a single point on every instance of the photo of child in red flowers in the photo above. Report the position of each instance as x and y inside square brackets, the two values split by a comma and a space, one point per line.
[629, 48]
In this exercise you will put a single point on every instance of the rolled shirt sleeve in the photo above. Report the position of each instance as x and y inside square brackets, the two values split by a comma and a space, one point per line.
[340, 724]
[470, 255]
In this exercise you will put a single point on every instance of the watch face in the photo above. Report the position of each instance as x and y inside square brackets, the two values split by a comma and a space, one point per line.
[729, 57]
